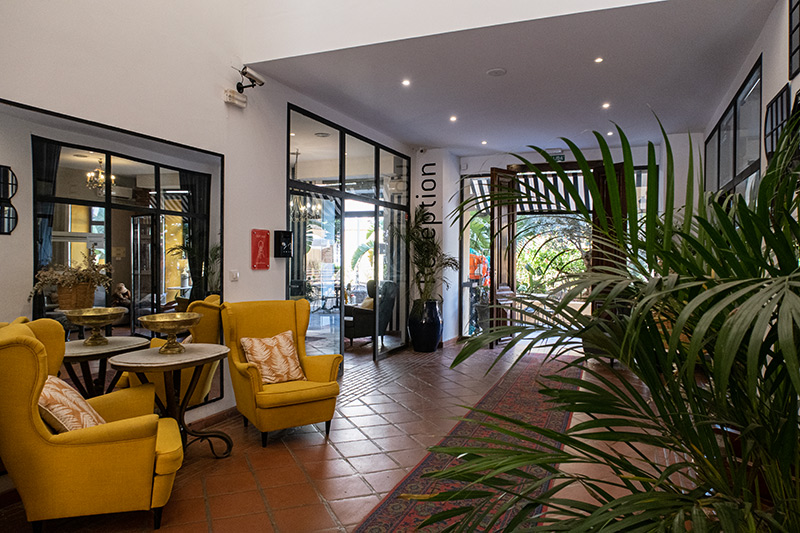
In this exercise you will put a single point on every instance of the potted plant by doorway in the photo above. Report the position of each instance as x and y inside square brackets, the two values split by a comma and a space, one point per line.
[429, 263]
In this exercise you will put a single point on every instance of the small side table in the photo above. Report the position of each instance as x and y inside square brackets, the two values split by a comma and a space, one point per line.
[76, 352]
[195, 356]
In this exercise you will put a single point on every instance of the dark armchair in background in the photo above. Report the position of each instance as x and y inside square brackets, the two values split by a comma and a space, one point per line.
[362, 320]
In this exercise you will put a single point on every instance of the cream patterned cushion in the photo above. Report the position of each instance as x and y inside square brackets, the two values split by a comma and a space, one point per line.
[63, 409]
[368, 303]
[275, 357]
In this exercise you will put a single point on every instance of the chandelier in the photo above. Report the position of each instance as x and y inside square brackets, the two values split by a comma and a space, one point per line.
[96, 179]
[303, 211]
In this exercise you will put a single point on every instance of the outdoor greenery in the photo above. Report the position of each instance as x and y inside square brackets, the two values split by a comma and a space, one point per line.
[548, 247]
[702, 306]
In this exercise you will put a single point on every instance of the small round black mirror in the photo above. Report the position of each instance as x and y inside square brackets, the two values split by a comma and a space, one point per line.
[8, 183]
[8, 219]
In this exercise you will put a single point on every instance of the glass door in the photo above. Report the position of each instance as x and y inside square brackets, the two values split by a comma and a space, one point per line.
[360, 286]
[390, 306]
[143, 271]
[315, 267]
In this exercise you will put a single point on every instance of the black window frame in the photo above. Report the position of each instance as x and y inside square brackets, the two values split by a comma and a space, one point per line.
[732, 108]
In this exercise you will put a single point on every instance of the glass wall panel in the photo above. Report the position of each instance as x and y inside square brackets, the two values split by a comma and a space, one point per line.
[359, 276]
[133, 183]
[726, 139]
[476, 254]
[78, 175]
[748, 123]
[313, 152]
[393, 178]
[315, 267]
[359, 167]
[711, 162]
[390, 305]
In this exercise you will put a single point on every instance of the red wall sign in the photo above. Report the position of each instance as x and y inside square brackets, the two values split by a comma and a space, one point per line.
[259, 249]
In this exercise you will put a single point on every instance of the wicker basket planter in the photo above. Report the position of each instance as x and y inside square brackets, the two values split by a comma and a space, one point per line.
[78, 296]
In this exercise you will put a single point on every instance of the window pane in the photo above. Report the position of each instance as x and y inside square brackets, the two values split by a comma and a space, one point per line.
[79, 174]
[390, 304]
[393, 184]
[313, 152]
[133, 183]
[359, 165]
[726, 149]
[315, 265]
[748, 123]
[712, 168]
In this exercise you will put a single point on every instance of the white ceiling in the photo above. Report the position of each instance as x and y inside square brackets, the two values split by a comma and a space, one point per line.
[674, 58]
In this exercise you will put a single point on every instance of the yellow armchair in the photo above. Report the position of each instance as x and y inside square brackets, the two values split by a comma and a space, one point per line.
[280, 405]
[205, 331]
[127, 464]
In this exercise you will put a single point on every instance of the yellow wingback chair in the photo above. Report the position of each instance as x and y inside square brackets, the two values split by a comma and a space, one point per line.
[279, 405]
[205, 331]
[127, 464]
[48, 331]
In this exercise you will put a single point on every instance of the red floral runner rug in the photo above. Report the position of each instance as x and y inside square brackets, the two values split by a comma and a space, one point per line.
[515, 395]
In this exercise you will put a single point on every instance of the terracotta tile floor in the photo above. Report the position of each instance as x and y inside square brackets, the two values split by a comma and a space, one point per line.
[388, 414]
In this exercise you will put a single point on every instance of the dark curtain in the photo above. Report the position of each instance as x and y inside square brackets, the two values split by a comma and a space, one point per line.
[196, 234]
[45, 168]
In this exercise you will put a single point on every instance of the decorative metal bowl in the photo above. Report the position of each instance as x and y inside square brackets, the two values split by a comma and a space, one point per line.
[171, 324]
[95, 318]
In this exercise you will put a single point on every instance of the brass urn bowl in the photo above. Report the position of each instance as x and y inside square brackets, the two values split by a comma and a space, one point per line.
[171, 324]
[95, 318]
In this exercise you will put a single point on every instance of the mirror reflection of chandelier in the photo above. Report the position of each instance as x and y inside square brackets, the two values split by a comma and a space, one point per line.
[308, 210]
[96, 179]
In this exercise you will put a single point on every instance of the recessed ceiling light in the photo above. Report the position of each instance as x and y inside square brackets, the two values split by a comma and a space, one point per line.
[291, 135]
[453, 118]
[610, 133]
[406, 83]
[483, 142]
[496, 72]
[606, 105]
[598, 60]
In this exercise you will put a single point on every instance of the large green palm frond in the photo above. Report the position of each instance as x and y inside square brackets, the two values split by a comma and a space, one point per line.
[702, 306]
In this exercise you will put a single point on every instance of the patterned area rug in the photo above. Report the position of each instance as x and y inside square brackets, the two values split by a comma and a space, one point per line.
[515, 395]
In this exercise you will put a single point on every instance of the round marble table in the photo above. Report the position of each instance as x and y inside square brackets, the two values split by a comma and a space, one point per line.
[195, 356]
[76, 352]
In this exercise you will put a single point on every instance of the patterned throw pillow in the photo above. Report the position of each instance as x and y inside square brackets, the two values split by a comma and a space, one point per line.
[368, 303]
[275, 357]
[63, 409]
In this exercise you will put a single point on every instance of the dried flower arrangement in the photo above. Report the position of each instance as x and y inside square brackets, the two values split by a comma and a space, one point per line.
[69, 276]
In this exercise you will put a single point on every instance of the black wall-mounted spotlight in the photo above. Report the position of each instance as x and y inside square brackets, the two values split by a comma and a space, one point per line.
[255, 79]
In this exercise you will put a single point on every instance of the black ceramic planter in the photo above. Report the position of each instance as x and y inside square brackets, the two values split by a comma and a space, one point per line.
[425, 325]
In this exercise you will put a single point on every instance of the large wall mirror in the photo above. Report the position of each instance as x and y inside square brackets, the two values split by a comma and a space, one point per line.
[150, 208]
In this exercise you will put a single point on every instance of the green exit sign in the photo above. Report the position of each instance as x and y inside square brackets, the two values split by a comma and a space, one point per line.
[559, 158]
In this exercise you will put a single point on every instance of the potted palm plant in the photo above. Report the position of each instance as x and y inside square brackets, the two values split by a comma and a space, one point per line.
[696, 427]
[429, 264]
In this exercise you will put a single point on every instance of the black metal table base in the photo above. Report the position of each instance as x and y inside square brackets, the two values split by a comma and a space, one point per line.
[176, 408]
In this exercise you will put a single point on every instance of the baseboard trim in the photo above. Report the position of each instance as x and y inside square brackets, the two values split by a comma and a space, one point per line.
[213, 419]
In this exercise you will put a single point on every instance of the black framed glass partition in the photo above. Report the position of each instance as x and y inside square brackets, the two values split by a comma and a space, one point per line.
[733, 149]
[346, 194]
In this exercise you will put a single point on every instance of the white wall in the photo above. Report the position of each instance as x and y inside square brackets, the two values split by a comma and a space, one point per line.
[162, 71]
[285, 29]
[157, 68]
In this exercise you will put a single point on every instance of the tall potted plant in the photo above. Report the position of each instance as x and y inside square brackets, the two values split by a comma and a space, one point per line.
[429, 264]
